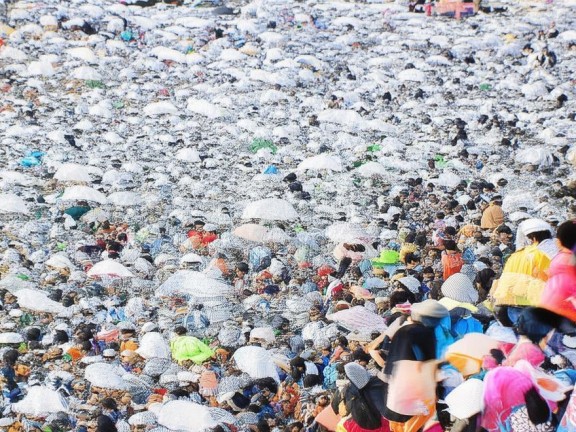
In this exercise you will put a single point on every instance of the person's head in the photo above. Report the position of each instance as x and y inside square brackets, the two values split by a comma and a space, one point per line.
[10, 357]
[536, 324]
[450, 246]
[241, 269]
[109, 404]
[199, 225]
[566, 235]
[105, 424]
[412, 260]
[180, 331]
[539, 236]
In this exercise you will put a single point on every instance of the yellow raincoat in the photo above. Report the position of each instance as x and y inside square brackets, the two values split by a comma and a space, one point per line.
[523, 278]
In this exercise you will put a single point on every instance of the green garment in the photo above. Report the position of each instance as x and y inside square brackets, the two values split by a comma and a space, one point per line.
[190, 348]
[77, 212]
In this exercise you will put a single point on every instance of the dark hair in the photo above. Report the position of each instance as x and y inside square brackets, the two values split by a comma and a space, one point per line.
[504, 229]
[360, 409]
[86, 346]
[566, 235]
[440, 215]
[122, 237]
[360, 355]
[535, 323]
[484, 278]
[399, 297]
[105, 424]
[539, 236]
[109, 403]
[10, 357]
[410, 237]
[33, 333]
[411, 257]
[450, 245]
[342, 341]
[180, 330]
[60, 337]
[450, 230]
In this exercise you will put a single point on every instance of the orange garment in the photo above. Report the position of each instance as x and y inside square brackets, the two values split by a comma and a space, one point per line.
[416, 423]
[75, 354]
[492, 217]
[451, 264]
[129, 345]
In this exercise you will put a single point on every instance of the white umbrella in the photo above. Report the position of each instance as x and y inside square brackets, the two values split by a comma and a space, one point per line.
[358, 318]
[106, 376]
[95, 215]
[340, 252]
[38, 301]
[370, 169]
[186, 416]
[340, 232]
[110, 267]
[153, 345]
[270, 209]
[193, 283]
[256, 362]
[265, 333]
[252, 232]
[10, 203]
[41, 401]
[276, 235]
[72, 172]
[83, 193]
[321, 162]
[125, 199]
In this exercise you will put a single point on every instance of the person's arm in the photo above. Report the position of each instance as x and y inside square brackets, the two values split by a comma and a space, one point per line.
[377, 357]
[375, 343]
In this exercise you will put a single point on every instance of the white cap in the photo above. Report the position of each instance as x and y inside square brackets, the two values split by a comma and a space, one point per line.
[16, 313]
[148, 327]
[109, 353]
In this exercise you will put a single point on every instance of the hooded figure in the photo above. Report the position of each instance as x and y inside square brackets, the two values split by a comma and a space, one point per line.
[517, 407]
[559, 294]
[525, 273]
[413, 346]
[355, 406]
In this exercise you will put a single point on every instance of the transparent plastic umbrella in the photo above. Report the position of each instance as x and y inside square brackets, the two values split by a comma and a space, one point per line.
[270, 209]
[70, 172]
[83, 193]
[256, 362]
[321, 162]
[345, 232]
[10, 203]
[110, 267]
[41, 401]
[251, 232]
[193, 283]
[125, 199]
[186, 416]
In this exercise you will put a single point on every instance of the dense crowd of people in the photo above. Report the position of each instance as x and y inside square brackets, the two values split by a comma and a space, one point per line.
[287, 217]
